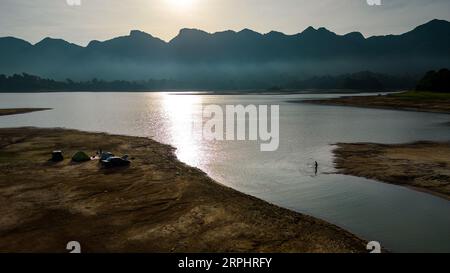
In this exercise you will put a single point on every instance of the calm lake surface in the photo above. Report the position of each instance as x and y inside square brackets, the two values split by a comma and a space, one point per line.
[401, 219]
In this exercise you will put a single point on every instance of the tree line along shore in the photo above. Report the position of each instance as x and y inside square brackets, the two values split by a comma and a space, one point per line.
[431, 94]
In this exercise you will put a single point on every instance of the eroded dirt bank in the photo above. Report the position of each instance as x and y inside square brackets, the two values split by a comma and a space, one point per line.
[422, 165]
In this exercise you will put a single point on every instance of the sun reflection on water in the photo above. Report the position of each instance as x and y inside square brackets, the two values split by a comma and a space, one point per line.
[181, 111]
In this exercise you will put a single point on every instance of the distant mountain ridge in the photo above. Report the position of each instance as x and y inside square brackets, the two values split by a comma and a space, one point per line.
[245, 58]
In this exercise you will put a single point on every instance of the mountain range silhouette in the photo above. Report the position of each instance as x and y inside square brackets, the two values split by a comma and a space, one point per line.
[246, 57]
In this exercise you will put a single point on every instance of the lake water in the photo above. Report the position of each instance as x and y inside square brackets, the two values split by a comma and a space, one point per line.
[401, 219]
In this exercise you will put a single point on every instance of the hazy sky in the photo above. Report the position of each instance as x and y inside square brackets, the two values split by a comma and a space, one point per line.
[33, 20]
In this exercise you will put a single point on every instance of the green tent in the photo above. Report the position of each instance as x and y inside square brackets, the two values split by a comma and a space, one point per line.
[80, 157]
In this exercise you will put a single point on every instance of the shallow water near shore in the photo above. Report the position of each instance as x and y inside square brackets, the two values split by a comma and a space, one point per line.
[401, 219]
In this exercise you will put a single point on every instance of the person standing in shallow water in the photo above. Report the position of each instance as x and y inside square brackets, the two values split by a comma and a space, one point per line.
[316, 166]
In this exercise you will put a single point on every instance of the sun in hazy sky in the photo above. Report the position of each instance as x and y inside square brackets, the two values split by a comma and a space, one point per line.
[181, 4]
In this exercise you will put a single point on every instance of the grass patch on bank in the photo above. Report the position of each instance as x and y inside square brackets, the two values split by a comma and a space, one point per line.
[421, 95]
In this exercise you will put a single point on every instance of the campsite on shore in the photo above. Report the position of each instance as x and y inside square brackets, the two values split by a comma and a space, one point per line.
[156, 204]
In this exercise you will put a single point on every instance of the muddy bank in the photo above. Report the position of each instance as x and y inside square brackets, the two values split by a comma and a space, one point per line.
[424, 166]
[158, 204]
[15, 111]
[411, 101]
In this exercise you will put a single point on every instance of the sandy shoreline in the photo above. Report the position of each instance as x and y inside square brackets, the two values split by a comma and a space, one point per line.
[408, 101]
[16, 111]
[158, 204]
[423, 166]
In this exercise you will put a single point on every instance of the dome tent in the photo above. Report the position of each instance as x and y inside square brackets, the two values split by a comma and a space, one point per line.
[57, 156]
[80, 157]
